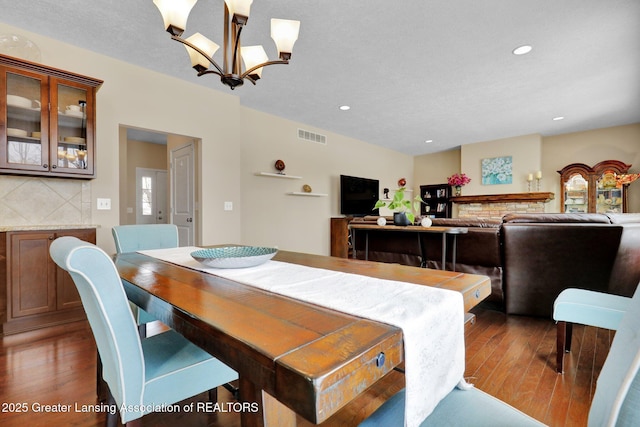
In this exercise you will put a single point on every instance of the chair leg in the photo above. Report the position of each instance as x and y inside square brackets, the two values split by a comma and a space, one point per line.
[142, 330]
[567, 341]
[563, 343]
[112, 418]
[102, 390]
[235, 391]
[213, 395]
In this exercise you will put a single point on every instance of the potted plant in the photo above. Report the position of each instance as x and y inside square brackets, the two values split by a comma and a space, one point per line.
[402, 209]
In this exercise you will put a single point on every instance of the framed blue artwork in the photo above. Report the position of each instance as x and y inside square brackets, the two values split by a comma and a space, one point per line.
[497, 170]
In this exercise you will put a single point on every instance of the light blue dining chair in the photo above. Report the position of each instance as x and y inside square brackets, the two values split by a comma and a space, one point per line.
[141, 373]
[139, 237]
[616, 401]
[585, 307]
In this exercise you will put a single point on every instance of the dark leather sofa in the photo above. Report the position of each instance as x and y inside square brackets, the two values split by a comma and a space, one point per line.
[530, 258]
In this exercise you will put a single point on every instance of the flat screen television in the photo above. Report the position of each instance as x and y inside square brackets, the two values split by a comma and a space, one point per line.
[358, 196]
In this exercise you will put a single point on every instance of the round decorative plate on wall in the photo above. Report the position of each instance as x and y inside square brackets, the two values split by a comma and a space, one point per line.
[279, 166]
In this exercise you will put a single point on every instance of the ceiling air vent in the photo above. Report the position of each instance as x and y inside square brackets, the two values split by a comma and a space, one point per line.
[311, 136]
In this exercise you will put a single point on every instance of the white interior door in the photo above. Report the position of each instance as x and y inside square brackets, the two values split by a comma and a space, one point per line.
[183, 193]
[151, 196]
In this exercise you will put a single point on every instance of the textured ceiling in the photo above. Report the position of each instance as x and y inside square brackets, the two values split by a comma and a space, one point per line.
[411, 70]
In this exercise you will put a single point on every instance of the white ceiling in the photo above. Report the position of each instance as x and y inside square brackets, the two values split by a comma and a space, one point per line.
[410, 70]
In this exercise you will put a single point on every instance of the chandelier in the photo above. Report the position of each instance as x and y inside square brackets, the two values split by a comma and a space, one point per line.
[236, 14]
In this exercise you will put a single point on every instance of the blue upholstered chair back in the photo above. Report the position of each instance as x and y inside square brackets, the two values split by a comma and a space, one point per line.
[617, 397]
[131, 238]
[111, 320]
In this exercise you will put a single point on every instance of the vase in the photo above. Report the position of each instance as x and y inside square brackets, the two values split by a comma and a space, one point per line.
[426, 221]
[458, 190]
[400, 218]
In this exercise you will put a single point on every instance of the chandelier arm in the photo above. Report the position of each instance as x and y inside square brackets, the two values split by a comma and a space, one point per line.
[264, 64]
[235, 49]
[201, 52]
[202, 73]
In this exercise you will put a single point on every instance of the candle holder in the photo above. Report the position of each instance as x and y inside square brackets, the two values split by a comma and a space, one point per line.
[538, 179]
[528, 186]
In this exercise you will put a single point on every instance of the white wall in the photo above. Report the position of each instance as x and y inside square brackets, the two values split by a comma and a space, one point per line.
[531, 153]
[525, 152]
[269, 215]
[590, 147]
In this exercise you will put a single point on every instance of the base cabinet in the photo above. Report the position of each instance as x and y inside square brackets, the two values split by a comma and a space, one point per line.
[37, 293]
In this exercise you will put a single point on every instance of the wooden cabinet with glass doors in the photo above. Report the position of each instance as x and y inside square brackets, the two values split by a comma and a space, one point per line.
[47, 120]
[593, 189]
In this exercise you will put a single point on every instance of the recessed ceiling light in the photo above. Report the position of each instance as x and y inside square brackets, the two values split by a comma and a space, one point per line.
[555, 119]
[522, 50]
[345, 107]
[428, 141]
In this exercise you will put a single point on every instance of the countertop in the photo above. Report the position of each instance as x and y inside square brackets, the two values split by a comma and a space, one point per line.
[4, 228]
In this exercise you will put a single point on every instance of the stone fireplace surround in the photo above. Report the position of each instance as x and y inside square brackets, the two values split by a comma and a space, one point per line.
[495, 206]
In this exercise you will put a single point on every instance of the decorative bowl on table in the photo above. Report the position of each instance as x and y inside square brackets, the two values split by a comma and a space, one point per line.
[234, 256]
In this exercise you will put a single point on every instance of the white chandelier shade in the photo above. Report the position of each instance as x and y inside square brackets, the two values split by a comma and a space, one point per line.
[239, 7]
[284, 33]
[252, 57]
[175, 12]
[209, 47]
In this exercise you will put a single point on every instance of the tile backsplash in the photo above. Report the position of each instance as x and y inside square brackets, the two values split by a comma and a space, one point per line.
[44, 201]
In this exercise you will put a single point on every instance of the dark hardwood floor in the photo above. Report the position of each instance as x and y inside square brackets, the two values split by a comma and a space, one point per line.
[510, 357]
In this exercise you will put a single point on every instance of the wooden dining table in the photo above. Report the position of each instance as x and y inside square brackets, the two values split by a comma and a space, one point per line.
[292, 357]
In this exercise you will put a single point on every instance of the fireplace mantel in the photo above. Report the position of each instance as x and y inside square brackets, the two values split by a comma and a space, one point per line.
[495, 206]
[539, 197]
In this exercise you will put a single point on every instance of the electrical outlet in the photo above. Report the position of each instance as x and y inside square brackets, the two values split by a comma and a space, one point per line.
[228, 206]
[104, 204]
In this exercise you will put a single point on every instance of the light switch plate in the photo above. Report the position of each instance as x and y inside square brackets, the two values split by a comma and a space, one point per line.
[228, 206]
[104, 204]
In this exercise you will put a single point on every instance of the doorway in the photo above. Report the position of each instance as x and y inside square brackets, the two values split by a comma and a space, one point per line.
[137, 149]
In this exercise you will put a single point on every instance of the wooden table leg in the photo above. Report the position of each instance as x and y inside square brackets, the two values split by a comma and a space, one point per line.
[272, 413]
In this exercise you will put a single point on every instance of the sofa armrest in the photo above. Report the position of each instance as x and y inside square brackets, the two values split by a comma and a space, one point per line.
[541, 260]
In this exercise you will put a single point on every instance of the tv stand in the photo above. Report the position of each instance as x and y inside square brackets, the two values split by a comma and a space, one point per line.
[340, 237]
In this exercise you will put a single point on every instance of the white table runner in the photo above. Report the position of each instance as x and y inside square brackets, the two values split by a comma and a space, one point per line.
[431, 319]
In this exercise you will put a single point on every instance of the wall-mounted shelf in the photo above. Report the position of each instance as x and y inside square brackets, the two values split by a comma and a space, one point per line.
[277, 175]
[300, 193]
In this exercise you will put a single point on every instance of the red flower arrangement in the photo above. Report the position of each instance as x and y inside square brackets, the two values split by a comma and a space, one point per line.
[458, 179]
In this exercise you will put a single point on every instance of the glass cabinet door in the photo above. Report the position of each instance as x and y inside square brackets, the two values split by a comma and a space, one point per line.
[609, 197]
[69, 151]
[576, 194]
[26, 143]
